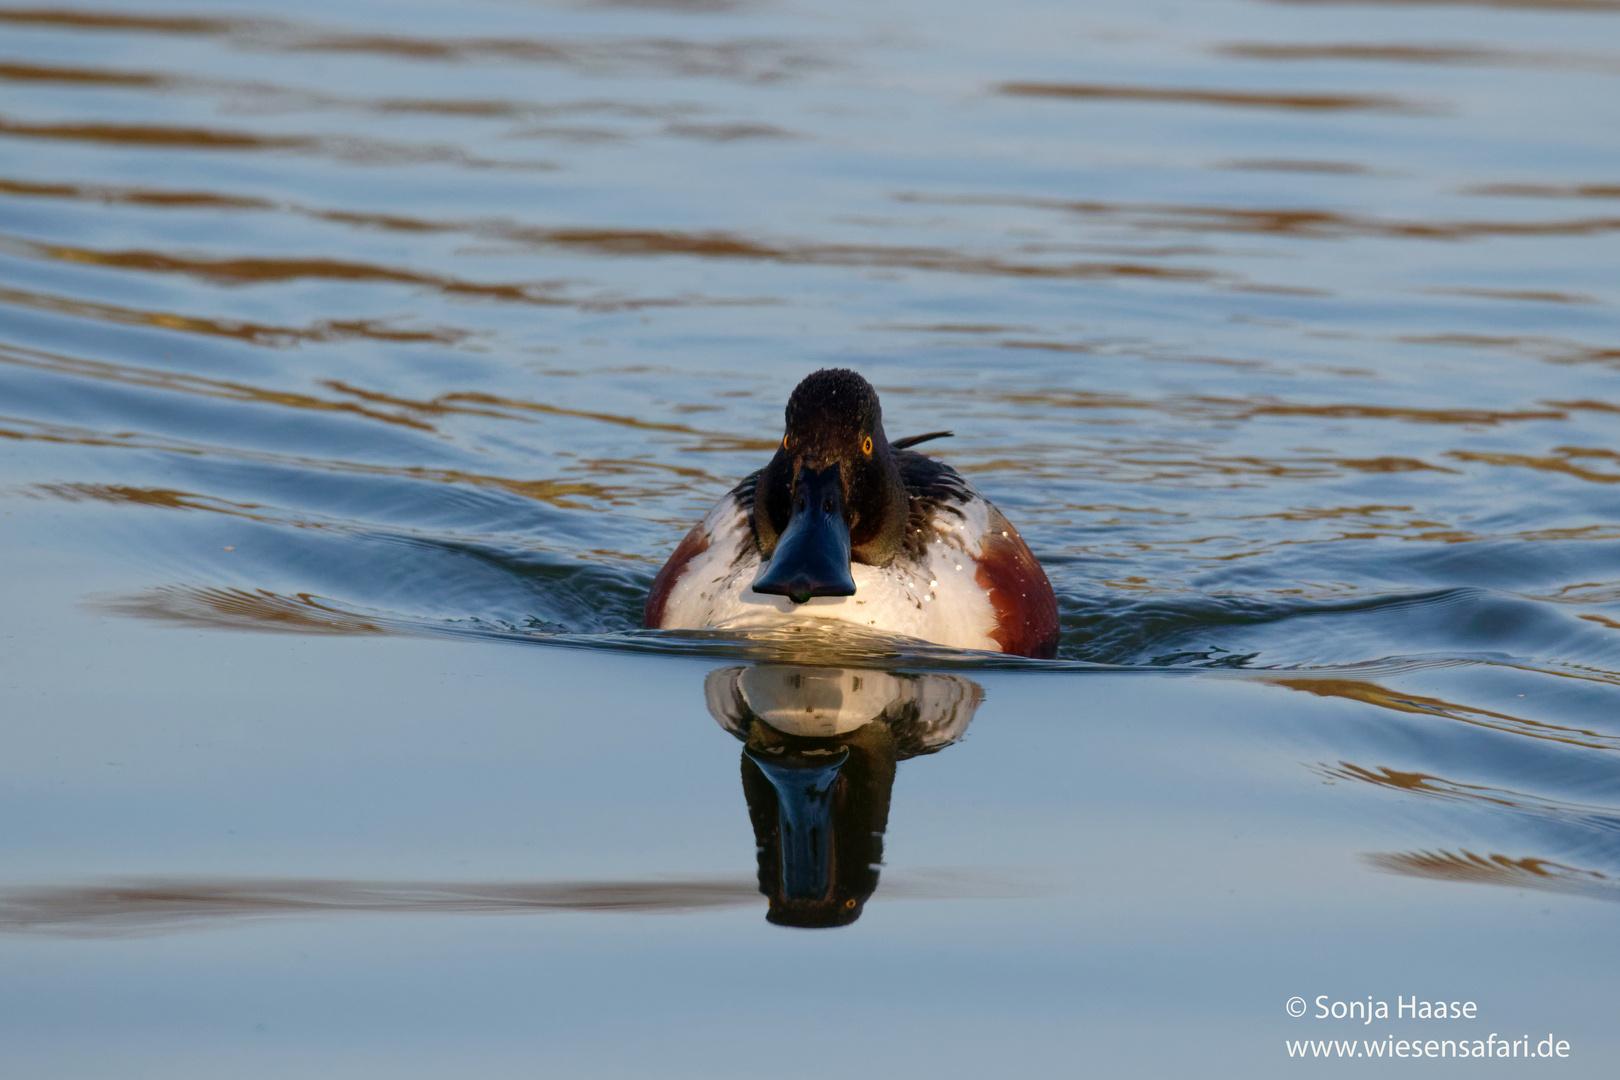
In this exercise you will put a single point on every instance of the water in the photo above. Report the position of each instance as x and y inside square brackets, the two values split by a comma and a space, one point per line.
[411, 337]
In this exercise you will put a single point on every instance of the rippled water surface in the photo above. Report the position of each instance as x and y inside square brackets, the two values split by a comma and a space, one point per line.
[1284, 331]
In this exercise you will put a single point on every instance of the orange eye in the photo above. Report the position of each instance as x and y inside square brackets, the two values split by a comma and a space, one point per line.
[866, 447]
[784, 442]
[851, 901]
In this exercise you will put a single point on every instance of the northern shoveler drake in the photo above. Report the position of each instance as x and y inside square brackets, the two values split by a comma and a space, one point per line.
[845, 525]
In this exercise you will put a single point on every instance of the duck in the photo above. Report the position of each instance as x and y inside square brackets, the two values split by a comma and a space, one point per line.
[844, 526]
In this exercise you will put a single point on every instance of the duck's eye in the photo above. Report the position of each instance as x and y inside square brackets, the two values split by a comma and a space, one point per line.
[866, 447]
[784, 442]
[851, 901]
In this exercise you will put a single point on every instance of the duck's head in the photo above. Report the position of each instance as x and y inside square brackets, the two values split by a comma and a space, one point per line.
[832, 494]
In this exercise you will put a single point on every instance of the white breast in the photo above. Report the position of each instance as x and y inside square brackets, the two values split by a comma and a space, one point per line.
[936, 599]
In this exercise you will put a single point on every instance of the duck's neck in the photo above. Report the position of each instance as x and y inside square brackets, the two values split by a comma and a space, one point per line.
[878, 522]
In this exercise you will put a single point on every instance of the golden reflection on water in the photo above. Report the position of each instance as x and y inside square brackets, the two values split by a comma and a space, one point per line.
[1547, 191]
[257, 610]
[15, 72]
[107, 20]
[410, 411]
[1562, 460]
[323, 330]
[1527, 872]
[1403, 702]
[228, 271]
[166, 905]
[1534, 296]
[568, 495]
[141, 907]
[748, 60]
[157, 135]
[1315, 223]
[1253, 99]
[632, 243]
[1422, 54]
[1420, 783]
[133, 196]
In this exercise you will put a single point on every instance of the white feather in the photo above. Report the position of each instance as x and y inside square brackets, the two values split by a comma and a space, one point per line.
[935, 599]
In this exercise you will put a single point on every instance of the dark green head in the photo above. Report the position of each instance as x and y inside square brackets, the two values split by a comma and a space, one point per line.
[832, 494]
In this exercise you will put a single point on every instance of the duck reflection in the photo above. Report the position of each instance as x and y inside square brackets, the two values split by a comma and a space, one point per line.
[820, 747]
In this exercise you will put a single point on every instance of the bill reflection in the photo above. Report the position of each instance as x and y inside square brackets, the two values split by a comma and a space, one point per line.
[820, 747]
